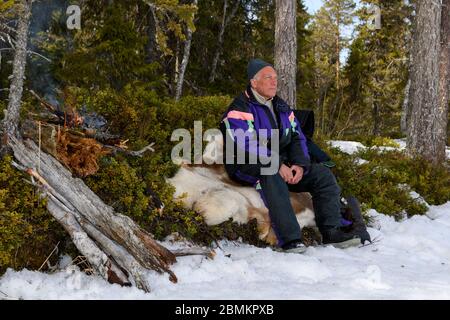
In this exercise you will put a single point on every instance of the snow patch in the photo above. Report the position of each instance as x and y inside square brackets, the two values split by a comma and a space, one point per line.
[349, 147]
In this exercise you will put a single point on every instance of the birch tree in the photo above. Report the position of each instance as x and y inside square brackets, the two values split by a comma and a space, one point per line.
[184, 62]
[11, 120]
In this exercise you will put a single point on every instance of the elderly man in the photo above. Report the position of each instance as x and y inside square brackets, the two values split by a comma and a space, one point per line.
[259, 113]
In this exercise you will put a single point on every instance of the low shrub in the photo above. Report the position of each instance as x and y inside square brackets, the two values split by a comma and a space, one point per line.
[385, 182]
[28, 233]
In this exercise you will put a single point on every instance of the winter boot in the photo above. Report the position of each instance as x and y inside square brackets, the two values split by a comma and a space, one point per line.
[295, 246]
[338, 238]
[351, 211]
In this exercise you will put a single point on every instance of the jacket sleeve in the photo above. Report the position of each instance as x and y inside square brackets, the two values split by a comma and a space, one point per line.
[298, 150]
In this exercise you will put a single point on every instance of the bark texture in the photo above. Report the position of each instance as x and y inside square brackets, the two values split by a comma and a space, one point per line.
[426, 130]
[184, 62]
[286, 49]
[11, 120]
[444, 73]
[111, 242]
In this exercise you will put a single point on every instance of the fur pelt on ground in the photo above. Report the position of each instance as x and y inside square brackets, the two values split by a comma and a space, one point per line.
[208, 190]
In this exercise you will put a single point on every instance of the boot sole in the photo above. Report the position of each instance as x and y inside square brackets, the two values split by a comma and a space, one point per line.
[294, 250]
[345, 244]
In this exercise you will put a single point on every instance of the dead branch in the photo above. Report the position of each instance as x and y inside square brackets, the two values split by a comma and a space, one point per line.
[210, 253]
[51, 253]
[132, 153]
[29, 52]
[44, 103]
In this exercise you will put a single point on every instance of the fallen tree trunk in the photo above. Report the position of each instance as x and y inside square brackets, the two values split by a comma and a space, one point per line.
[101, 263]
[83, 213]
[117, 248]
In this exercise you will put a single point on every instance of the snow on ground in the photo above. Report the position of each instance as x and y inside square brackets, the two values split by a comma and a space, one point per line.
[410, 260]
[351, 147]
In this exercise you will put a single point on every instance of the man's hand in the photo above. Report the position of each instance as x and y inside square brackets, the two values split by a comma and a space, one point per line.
[286, 173]
[298, 174]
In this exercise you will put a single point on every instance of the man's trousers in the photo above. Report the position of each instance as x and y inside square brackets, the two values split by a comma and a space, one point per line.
[319, 181]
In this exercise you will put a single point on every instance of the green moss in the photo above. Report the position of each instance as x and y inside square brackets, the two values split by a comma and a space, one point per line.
[3, 106]
[28, 233]
[384, 141]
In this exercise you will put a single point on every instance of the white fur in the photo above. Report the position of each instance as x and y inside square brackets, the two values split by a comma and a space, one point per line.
[213, 199]
[205, 192]
[306, 218]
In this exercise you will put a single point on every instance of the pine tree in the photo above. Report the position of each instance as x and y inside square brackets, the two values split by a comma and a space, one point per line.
[249, 34]
[426, 126]
[8, 11]
[329, 42]
[377, 68]
[116, 44]
[286, 49]
[305, 60]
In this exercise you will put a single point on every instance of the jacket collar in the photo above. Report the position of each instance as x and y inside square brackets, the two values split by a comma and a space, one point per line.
[278, 104]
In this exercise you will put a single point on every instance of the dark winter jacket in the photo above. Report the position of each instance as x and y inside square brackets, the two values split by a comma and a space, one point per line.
[316, 154]
[246, 113]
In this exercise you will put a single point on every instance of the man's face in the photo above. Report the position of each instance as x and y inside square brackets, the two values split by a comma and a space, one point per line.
[265, 82]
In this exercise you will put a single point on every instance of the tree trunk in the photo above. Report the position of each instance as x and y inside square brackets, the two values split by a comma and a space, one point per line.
[177, 67]
[338, 52]
[426, 130]
[405, 109]
[184, 62]
[286, 49]
[444, 73]
[225, 21]
[102, 264]
[151, 46]
[376, 105]
[376, 131]
[11, 120]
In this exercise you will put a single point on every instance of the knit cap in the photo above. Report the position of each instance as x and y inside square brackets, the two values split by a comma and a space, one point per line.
[254, 65]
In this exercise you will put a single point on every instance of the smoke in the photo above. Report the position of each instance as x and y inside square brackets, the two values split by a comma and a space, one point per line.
[40, 77]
